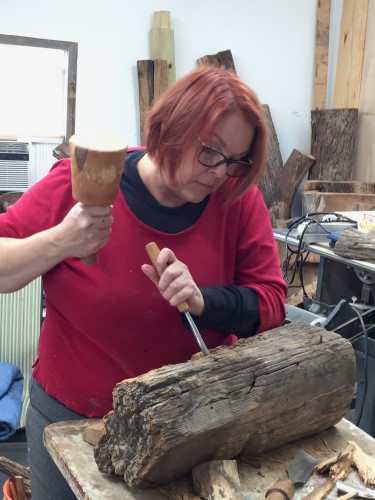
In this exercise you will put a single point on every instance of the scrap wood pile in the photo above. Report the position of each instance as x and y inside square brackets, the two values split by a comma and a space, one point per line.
[340, 466]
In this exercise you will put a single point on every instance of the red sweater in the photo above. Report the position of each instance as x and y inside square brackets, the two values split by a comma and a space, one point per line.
[108, 322]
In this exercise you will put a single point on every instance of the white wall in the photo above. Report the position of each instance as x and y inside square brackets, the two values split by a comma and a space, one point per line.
[272, 42]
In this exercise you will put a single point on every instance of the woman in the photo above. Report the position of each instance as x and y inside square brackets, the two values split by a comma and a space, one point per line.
[192, 191]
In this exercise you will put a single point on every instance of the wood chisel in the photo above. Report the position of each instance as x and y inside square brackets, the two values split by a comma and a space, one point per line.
[153, 252]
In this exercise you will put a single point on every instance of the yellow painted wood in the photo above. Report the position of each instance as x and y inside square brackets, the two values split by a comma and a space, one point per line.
[350, 56]
[162, 42]
[321, 54]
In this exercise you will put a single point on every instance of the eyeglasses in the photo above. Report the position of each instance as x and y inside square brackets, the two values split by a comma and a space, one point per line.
[211, 157]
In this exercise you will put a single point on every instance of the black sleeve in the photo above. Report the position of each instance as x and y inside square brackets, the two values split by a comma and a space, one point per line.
[230, 309]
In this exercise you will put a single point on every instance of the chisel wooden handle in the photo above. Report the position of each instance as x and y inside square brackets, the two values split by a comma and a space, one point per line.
[153, 252]
[283, 489]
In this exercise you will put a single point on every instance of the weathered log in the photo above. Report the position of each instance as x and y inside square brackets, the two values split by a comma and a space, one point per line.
[217, 479]
[295, 169]
[353, 244]
[276, 387]
[333, 134]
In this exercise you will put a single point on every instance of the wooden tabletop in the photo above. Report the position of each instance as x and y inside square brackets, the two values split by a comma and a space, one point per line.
[75, 459]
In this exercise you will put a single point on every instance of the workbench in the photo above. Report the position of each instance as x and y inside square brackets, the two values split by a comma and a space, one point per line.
[74, 457]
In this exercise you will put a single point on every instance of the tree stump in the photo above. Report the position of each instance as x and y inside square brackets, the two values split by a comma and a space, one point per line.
[279, 386]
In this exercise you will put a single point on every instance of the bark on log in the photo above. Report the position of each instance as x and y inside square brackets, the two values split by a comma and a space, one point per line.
[265, 391]
[355, 245]
[295, 169]
[333, 134]
[274, 163]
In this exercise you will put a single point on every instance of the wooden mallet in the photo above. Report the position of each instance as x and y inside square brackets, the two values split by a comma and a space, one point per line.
[96, 166]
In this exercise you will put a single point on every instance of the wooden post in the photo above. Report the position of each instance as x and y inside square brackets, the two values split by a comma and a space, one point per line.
[152, 82]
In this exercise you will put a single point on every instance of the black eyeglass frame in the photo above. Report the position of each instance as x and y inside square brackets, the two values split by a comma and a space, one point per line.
[226, 159]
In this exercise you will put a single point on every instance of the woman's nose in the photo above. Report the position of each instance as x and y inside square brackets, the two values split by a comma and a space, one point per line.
[219, 171]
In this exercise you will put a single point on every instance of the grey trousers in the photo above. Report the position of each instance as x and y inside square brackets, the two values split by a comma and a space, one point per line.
[47, 483]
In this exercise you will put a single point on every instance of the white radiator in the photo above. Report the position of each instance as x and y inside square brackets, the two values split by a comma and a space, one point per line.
[20, 320]
[41, 158]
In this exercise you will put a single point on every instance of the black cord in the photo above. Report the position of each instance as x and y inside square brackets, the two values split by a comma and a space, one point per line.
[289, 268]
[365, 383]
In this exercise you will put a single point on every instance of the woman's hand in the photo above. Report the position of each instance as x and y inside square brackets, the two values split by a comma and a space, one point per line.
[84, 230]
[174, 281]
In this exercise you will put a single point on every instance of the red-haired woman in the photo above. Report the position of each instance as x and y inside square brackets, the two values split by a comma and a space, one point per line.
[193, 191]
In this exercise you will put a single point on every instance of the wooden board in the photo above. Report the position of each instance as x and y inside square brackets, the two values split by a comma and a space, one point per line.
[333, 134]
[75, 460]
[162, 42]
[274, 163]
[152, 82]
[321, 54]
[350, 56]
[223, 58]
[314, 201]
[365, 150]
[340, 186]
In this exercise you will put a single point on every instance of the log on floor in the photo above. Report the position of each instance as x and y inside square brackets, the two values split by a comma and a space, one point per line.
[279, 386]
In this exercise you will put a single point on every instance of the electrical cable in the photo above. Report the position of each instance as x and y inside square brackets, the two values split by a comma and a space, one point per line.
[289, 268]
[365, 382]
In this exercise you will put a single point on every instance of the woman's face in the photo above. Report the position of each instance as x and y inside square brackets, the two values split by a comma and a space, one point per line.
[193, 182]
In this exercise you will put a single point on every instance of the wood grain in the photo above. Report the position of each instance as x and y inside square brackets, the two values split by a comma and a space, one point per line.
[365, 148]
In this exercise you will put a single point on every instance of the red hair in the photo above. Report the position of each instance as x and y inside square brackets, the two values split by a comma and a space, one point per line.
[192, 108]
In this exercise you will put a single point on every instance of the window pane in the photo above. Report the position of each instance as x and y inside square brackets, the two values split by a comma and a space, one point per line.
[32, 91]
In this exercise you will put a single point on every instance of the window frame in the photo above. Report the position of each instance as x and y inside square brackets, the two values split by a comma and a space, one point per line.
[72, 50]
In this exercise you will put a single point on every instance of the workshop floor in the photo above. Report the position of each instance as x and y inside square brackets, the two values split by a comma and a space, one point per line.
[14, 449]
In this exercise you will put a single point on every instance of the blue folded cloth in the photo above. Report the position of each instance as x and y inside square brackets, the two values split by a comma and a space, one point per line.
[11, 385]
